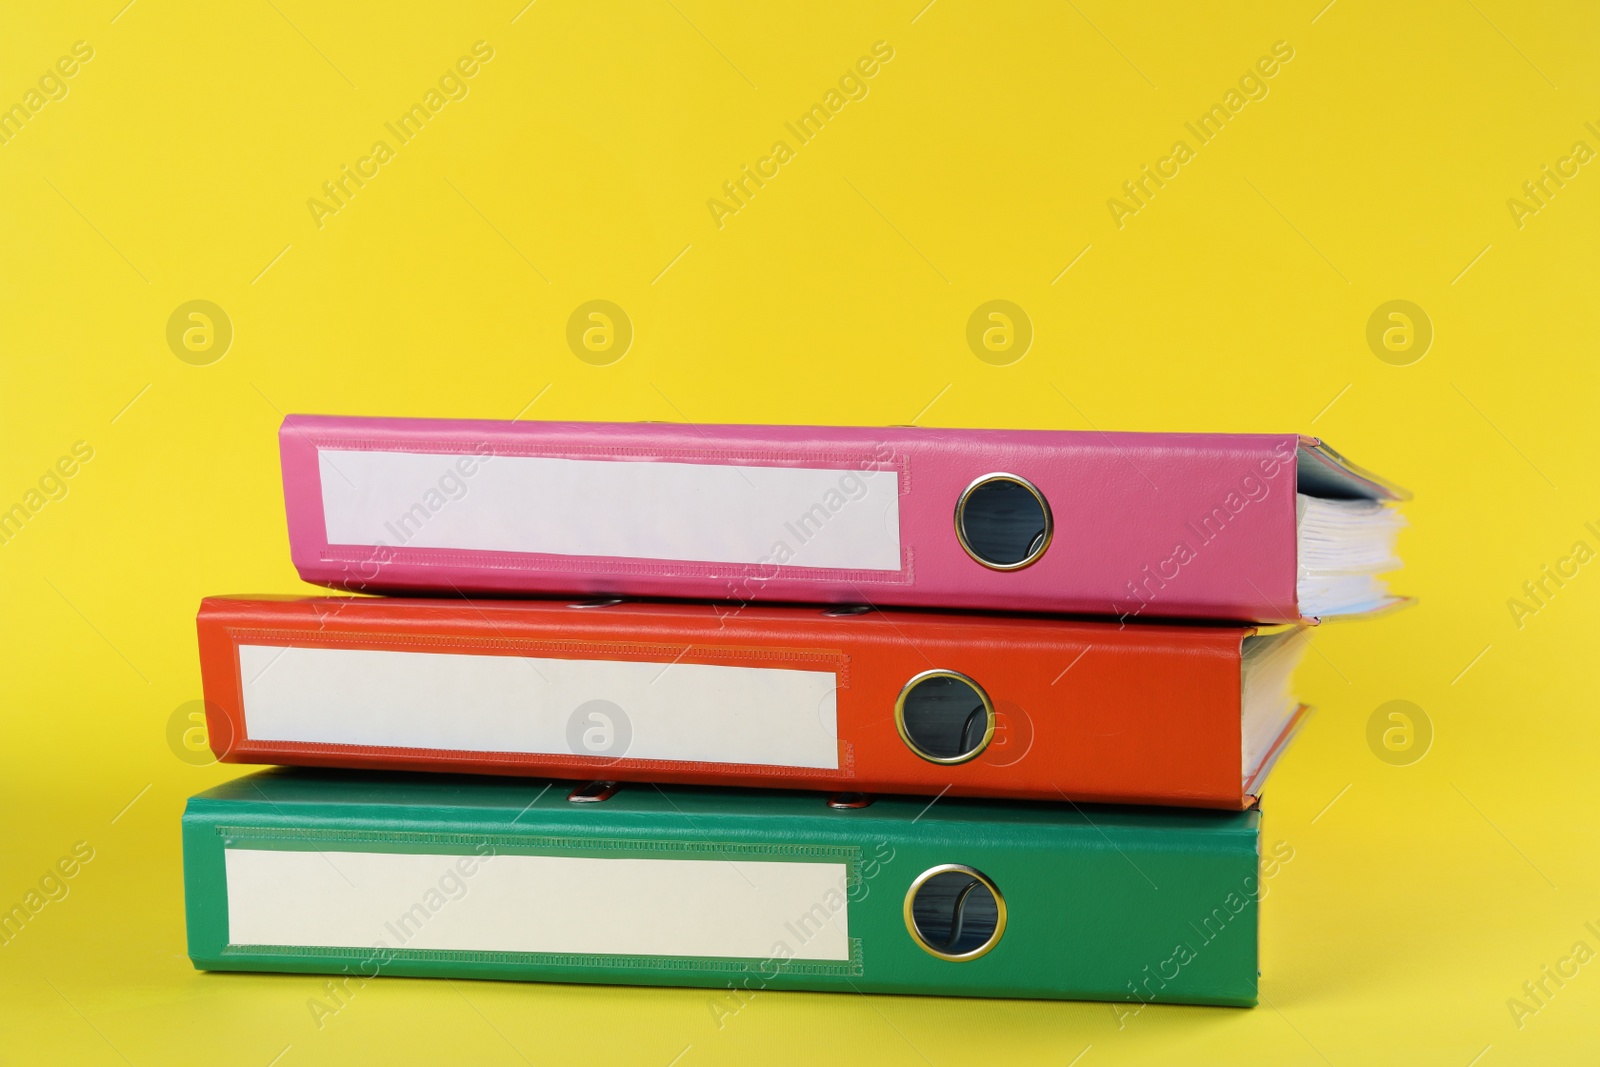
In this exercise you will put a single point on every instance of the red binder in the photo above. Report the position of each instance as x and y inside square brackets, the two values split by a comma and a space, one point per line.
[794, 697]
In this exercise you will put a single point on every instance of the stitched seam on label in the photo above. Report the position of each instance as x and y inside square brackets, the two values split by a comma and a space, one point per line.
[582, 651]
[589, 765]
[851, 968]
[531, 843]
[770, 456]
[482, 559]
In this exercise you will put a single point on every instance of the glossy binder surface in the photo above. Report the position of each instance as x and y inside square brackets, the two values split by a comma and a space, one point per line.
[1178, 525]
[1097, 903]
[797, 697]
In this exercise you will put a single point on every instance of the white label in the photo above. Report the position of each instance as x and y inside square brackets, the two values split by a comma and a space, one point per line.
[479, 703]
[796, 516]
[562, 904]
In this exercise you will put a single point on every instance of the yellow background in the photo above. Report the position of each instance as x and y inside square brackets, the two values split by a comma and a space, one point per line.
[978, 167]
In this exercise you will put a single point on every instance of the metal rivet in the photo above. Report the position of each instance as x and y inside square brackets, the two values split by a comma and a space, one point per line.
[592, 793]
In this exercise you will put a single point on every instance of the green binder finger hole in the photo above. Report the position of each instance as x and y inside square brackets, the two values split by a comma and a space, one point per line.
[944, 717]
[955, 912]
[1003, 522]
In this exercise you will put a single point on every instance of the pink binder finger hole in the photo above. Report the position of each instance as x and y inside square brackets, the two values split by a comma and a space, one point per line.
[1003, 522]
[955, 912]
[944, 717]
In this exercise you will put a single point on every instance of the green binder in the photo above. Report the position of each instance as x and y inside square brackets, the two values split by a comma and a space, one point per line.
[363, 874]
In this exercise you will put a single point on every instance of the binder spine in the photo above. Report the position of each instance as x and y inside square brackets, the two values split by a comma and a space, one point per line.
[791, 895]
[900, 516]
[900, 702]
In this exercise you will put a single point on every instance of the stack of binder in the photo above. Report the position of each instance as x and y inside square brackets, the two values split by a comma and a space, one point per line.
[982, 713]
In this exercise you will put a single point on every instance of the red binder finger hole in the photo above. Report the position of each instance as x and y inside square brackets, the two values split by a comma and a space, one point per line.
[944, 717]
[955, 912]
[1003, 522]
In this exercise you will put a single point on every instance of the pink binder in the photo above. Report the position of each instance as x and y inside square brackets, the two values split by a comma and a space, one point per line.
[1139, 525]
